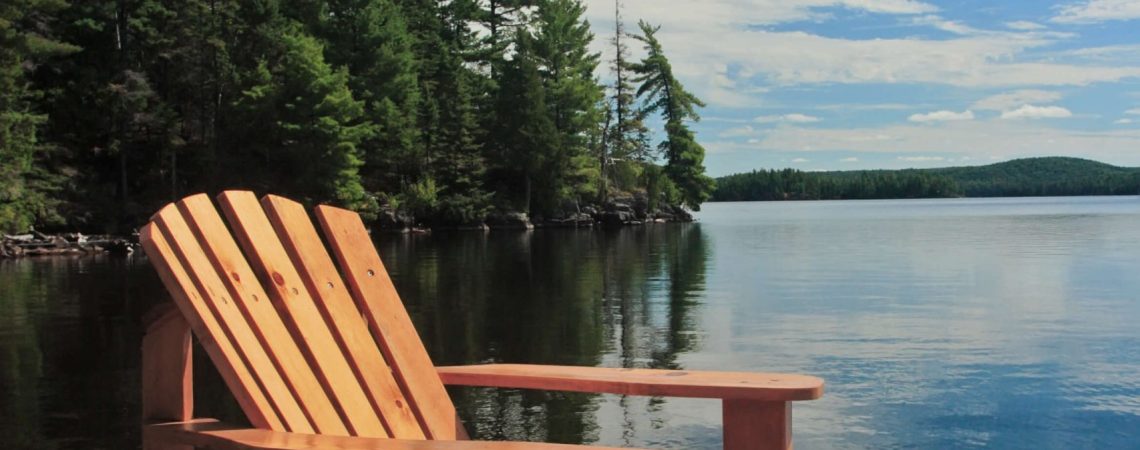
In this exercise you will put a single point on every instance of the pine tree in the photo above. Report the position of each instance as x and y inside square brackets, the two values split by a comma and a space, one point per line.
[24, 188]
[530, 147]
[573, 94]
[371, 39]
[626, 144]
[303, 124]
[665, 95]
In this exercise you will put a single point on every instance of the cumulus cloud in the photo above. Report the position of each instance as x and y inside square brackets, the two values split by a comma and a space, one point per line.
[1094, 11]
[721, 50]
[1037, 112]
[800, 160]
[921, 158]
[1024, 25]
[1134, 111]
[787, 118]
[849, 160]
[1010, 100]
[1123, 121]
[941, 116]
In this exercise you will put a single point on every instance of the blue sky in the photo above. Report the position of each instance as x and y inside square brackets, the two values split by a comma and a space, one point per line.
[857, 84]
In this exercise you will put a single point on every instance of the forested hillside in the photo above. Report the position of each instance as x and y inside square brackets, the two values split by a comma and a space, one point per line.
[444, 111]
[1055, 176]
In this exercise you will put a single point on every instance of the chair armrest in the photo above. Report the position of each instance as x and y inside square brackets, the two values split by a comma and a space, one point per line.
[210, 433]
[652, 382]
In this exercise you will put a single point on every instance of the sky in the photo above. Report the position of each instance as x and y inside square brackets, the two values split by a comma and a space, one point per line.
[863, 84]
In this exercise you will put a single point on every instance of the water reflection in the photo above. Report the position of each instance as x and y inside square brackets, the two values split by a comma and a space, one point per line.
[937, 324]
[575, 297]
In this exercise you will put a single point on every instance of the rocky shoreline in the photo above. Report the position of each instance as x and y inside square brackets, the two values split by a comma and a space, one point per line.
[619, 212]
[39, 244]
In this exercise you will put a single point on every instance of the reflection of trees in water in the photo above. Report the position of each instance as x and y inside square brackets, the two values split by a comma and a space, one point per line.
[69, 336]
[573, 297]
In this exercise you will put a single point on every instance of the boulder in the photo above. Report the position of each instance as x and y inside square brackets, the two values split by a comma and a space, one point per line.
[393, 221]
[509, 220]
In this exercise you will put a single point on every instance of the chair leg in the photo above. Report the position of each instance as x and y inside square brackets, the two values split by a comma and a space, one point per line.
[757, 425]
[167, 374]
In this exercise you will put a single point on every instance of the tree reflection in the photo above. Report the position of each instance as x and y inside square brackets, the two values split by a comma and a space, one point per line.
[574, 297]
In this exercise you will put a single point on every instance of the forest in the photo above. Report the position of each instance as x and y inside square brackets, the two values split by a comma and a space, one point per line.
[441, 111]
[1028, 177]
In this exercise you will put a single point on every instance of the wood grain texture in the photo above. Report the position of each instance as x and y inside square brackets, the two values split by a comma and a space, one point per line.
[652, 382]
[299, 311]
[757, 425]
[389, 321]
[283, 375]
[212, 434]
[295, 230]
[214, 340]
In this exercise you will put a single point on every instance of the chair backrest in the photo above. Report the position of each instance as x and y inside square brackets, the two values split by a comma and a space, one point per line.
[303, 346]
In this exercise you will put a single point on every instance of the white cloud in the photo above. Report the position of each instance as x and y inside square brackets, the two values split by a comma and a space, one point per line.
[866, 107]
[1094, 11]
[942, 116]
[787, 118]
[1024, 25]
[991, 139]
[1134, 111]
[1011, 100]
[1123, 121]
[746, 130]
[1037, 112]
[800, 160]
[946, 25]
[921, 158]
[722, 52]
[849, 160]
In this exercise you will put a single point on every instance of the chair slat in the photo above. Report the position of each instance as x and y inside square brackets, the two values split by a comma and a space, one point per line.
[289, 293]
[295, 230]
[378, 301]
[215, 341]
[278, 359]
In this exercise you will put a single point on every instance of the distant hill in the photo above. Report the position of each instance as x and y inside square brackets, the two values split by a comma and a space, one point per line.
[1051, 176]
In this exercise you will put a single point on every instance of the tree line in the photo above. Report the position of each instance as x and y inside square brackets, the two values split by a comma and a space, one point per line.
[1053, 176]
[446, 110]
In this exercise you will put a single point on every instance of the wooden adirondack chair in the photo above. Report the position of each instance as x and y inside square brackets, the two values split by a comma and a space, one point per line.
[324, 358]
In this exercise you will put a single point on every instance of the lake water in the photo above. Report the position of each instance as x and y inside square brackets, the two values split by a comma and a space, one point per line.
[1003, 323]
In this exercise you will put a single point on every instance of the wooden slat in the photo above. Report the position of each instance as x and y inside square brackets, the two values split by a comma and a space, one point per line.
[304, 320]
[219, 436]
[296, 232]
[377, 299]
[217, 344]
[651, 382]
[279, 359]
[757, 425]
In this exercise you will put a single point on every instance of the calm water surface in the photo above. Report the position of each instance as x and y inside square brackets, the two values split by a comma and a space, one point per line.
[1004, 323]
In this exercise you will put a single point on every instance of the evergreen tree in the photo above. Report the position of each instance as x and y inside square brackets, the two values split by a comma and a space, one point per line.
[371, 39]
[627, 145]
[665, 95]
[25, 189]
[573, 94]
[303, 123]
[530, 147]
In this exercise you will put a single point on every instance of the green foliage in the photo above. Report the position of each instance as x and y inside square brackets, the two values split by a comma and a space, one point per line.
[24, 192]
[665, 95]
[440, 109]
[1022, 177]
